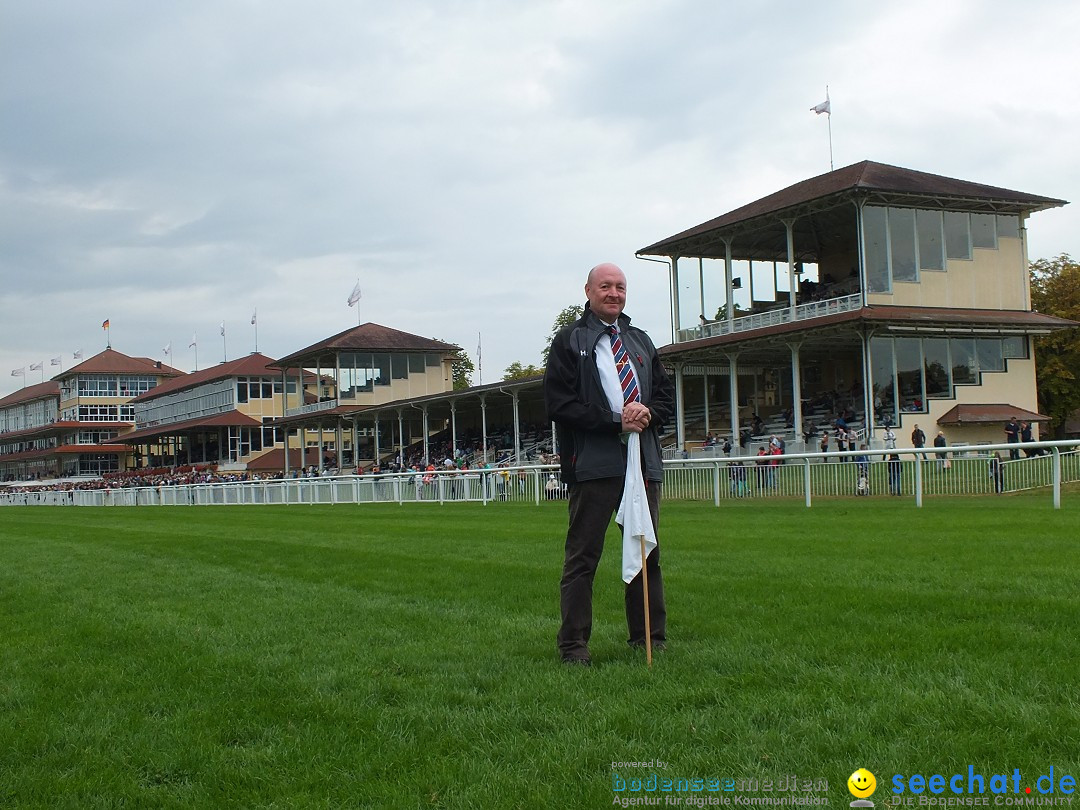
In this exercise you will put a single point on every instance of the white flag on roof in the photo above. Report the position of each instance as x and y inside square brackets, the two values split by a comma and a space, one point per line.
[77, 355]
[823, 107]
[55, 361]
[36, 366]
[354, 296]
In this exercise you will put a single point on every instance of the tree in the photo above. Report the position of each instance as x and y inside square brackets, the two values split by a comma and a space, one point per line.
[516, 371]
[1055, 290]
[462, 367]
[564, 318]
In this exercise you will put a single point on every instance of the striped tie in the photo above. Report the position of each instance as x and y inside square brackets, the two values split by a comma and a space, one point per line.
[627, 378]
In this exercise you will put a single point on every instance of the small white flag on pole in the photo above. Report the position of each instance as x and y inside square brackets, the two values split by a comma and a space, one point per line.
[168, 349]
[254, 317]
[354, 296]
[823, 107]
[223, 328]
[77, 355]
[55, 361]
[194, 340]
[36, 366]
[18, 372]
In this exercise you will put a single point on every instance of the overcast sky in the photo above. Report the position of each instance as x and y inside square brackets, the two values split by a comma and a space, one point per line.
[169, 166]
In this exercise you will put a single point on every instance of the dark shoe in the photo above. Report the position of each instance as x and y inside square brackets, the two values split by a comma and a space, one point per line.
[578, 662]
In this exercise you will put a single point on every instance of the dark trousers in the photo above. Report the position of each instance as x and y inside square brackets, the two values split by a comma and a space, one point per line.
[592, 504]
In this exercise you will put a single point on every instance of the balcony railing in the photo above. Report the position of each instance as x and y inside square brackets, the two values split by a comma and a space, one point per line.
[774, 317]
[313, 407]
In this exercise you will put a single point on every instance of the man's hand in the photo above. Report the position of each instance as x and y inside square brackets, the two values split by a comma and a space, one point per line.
[635, 417]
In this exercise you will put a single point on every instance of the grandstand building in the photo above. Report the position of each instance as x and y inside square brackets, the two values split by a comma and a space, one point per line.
[363, 367]
[887, 295]
[70, 425]
[221, 415]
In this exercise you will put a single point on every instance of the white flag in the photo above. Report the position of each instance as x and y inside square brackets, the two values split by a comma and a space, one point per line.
[223, 328]
[168, 348]
[36, 366]
[55, 361]
[194, 342]
[19, 372]
[354, 296]
[823, 107]
[633, 514]
[77, 355]
[479, 346]
[253, 317]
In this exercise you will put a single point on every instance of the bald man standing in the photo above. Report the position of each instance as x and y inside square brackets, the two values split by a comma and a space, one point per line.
[603, 381]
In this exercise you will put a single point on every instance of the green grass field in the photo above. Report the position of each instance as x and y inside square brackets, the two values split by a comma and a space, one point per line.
[386, 656]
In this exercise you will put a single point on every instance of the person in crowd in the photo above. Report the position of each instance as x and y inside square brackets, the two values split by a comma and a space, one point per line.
[896, 473]
[1012, 436]
[942, 456]
[997, 473]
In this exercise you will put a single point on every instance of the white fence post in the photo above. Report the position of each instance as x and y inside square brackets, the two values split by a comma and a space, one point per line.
[1056, 466]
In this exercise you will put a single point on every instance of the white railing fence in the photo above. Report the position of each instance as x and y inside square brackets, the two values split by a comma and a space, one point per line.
[915, 474]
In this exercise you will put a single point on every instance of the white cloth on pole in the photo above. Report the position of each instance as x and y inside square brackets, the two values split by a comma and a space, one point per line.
[633, 514]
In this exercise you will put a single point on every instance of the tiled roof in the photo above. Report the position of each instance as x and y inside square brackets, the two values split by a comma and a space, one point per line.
[226, 419]
[258, 365]
[275, 459]
[42, 390]
[966, 414]
[369, 337]
[111, 361]
[867, 177]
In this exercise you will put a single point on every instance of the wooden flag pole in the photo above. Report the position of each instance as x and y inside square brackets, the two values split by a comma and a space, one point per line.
[645, 590]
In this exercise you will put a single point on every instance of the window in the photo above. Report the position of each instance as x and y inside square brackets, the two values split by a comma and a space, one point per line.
[97, 385]
[400, 365]
[1014, 347]
[1008, 227]
[965, 368]
[883, 371]
[902, 244]
[957, 235]
[909, 381]
[380, 369]
[416, 364]
[983, 231]
[876, 248]
[988, 351]
[133, 385]
[937, 367]
[931, 240]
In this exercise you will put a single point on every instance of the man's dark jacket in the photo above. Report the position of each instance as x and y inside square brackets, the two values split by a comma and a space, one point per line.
[589, 433]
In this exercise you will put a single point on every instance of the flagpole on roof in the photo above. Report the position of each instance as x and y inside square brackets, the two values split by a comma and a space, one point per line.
[830, 126]
[354, 300]
[826, 107]
[255, 323]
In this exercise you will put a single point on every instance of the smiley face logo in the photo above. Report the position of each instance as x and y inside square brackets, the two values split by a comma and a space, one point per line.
[861, 783]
